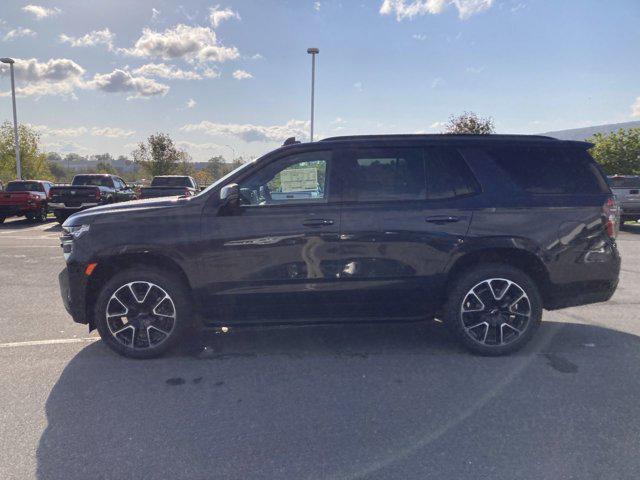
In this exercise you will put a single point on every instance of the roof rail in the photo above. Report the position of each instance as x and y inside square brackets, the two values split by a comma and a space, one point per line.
[433, 136]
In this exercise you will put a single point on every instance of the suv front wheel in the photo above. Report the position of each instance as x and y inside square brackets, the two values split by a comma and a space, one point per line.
[493, 309]
[142, 312]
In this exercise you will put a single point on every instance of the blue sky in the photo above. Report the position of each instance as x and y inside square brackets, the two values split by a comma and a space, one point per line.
[98, 77]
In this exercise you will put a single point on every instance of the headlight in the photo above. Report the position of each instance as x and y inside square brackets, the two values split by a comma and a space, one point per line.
[77, 231]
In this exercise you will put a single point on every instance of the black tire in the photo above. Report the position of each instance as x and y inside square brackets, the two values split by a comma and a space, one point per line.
[2, 219]
[132, 330]
[42, 214]
[497, 340]
[30, 216]
[61, 217]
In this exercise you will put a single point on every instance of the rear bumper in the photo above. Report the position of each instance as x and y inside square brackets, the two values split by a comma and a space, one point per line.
[62, 206]
[581, 293]
[73, 290]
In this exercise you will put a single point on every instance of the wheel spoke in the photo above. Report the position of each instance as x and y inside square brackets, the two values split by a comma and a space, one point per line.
[466, 301]
[129, 309]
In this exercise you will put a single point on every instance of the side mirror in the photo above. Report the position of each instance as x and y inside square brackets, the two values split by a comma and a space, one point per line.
[230, 196]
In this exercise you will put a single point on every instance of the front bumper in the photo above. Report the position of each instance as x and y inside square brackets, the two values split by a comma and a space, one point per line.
[73, 285]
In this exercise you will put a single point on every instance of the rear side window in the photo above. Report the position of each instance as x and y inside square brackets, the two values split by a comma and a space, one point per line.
[551, 170]
[448, 175]
[384, 174]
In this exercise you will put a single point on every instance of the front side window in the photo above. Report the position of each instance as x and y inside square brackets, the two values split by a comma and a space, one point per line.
[385, 174]
[298, 178]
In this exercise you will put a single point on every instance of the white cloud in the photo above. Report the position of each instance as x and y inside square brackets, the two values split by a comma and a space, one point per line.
[437, 82]
[475, 69]
[419, 36]
[71, 132]
[123, 81]
[635, 108]
[46, 131]
[41, 12]
[19, 32]
[252, 133]
[191, 103]
[57, 76]
[218, 15]
[191, 146]
[65, 147]
[437, 126]
[111, 132]
[182, 41]
[358, 86]
[155, 13]
[96, 37]
[317, 5]
[242, 75]
[404, 9]
[171, 72]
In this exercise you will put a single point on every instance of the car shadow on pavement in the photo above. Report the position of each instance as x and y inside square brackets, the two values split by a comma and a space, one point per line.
[356, 401]
[631, 228]
[22, 224]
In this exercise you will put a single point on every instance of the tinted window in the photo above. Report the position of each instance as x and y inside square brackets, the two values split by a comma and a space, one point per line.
[624, 182]
[551, 170]
[298, 178]
[448, 175]
[171, 182]
[385, 174]
[91, 180]
[24, 187]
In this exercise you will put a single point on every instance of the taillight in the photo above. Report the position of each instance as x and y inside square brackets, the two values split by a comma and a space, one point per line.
[610, 212]
[98, 193]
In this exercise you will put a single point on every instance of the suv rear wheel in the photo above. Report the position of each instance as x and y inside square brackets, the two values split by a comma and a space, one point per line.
[493, 309]
[142, 312]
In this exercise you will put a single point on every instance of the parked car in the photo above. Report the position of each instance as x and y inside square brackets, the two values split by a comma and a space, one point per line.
[626, 188]
[86, 191]
[25, 198]
[482, 232]
[170, 185]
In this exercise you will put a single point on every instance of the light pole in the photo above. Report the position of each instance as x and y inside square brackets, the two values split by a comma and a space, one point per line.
[313, 52]
[16, 138]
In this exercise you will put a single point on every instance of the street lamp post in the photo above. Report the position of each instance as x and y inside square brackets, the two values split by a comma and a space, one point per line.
[16, 138]
[313, 52]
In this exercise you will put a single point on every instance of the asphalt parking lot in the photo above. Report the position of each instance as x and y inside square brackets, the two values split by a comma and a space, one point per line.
[381, 402]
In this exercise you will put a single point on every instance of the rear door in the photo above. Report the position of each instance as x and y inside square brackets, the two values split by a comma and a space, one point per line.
[275, 258]
[405, 210]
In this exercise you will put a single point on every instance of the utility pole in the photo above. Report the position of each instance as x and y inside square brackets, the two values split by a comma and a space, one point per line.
[16, 137]
[313, 52]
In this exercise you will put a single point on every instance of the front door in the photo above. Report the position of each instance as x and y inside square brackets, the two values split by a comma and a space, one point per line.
[275, 258]
[406, 209]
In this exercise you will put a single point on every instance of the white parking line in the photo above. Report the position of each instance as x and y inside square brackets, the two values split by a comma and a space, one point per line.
[34, 343]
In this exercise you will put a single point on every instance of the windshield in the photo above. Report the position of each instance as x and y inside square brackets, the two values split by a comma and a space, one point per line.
[171, 182]
[624, 182]
[24, 187]
[92, 180]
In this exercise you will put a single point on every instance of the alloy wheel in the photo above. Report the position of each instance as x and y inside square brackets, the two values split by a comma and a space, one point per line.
[140, 315]
[495, 312]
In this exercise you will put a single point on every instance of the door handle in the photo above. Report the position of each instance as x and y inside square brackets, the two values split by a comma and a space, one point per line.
[317, 222]
[442, 219]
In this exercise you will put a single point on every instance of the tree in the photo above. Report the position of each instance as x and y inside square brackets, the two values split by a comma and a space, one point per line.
[104, 167]
[185, 167]
[216, 167]
[204, 177]
[618, 152]
[33, 161]
[469, 122]
[158, 156]
[60, 174]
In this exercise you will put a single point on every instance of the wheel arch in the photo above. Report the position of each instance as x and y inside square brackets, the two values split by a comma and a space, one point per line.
[109, 266]
[522, 259]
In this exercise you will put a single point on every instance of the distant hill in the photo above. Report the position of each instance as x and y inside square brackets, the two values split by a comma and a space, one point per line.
[584, 133]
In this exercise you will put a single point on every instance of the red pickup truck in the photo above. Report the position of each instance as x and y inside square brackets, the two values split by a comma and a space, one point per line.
[25, 198]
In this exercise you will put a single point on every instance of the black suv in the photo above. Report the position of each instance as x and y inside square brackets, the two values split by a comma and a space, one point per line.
[483, 232]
